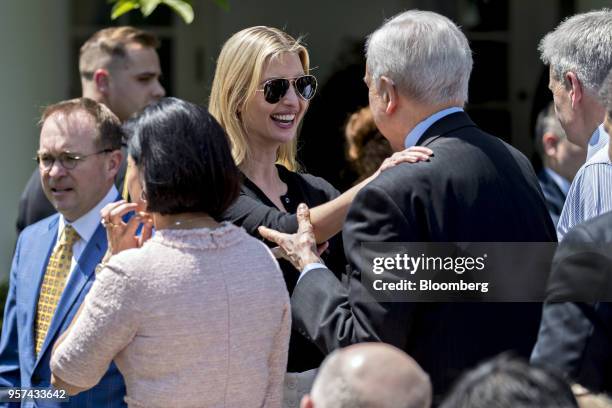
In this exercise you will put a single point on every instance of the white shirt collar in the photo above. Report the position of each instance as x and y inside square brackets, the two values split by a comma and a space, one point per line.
[87, 224]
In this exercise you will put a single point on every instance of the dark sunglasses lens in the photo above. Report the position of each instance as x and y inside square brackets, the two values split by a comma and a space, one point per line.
[275, 89]
[306, 86]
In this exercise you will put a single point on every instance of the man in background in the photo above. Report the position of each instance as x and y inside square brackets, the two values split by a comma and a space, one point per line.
[561, 160]
[574, 336]
[579, 57]
[120, 68]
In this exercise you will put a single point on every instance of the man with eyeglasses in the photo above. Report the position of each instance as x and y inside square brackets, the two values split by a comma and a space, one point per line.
[120, 68]
[53, 267]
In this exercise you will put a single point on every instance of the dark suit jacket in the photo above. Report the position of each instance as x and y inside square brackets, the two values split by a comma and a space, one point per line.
[576, 332]
[552, 194]
[34, 206]
[19, 365]
[476, 188]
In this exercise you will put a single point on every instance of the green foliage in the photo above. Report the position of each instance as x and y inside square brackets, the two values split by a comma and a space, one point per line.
[181, 7]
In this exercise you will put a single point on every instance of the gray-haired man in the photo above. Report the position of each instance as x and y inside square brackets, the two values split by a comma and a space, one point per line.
[476, 188]
[579, 54]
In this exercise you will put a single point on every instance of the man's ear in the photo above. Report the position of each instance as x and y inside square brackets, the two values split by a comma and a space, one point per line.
[114, 162]
[101, 79]
[576, 92]
[388, 93]
[550, 143]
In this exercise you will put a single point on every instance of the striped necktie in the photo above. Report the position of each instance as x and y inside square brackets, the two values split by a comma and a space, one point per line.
[53, 283]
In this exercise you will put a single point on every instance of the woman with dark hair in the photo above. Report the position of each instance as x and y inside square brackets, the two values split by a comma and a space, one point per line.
[185, 321]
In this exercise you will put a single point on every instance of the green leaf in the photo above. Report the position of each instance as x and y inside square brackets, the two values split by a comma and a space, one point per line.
[224, 4]
[148, 6]
[182, 8]
[123, 6]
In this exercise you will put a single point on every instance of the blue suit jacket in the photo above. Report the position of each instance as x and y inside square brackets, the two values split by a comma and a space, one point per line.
[19, 366]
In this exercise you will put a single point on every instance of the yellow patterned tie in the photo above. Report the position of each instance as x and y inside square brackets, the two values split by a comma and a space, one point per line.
[53, 283]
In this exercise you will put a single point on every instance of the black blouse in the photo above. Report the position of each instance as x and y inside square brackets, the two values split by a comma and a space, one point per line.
[253, 209]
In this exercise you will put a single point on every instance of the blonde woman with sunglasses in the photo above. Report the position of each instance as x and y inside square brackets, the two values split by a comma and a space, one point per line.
[261, 90]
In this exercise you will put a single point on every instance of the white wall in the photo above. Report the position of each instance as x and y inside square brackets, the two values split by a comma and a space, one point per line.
[33, 72]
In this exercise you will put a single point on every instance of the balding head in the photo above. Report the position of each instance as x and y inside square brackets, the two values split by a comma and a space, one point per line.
[369, 375]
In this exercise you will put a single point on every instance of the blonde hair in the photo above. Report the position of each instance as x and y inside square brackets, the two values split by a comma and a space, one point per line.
[239, 69]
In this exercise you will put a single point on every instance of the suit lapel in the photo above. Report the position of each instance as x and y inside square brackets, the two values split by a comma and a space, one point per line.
[86, 264]
[34, 271]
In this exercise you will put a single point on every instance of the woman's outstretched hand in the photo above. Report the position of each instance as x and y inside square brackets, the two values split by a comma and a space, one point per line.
[410, 155]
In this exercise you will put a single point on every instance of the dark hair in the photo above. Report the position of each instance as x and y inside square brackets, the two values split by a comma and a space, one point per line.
[184, 158]
[508, 382]
[109, 133]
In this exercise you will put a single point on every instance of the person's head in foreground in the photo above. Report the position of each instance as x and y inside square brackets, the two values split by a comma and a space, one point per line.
[260, 93]
[79, 155]
[369, 375]
[183, 160]
[507, 382]
[119, 67]
[418, 63]
[579, 55]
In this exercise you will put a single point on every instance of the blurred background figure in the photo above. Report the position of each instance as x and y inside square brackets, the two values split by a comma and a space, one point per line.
[560, 158]
[120, 68]
[366, 146]
[369, 375]
[506, 382]
[183, 318]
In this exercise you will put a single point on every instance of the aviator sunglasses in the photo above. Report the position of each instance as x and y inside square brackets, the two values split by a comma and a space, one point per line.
[275, 89]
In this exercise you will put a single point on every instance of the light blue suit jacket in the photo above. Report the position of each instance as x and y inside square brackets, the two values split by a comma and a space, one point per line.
[19, 366]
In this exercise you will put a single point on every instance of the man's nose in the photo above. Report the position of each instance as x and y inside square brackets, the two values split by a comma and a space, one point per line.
[158, 91]
[56, 170]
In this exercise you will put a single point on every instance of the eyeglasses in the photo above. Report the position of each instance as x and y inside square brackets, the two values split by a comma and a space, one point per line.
[68, 160]
[275, 89]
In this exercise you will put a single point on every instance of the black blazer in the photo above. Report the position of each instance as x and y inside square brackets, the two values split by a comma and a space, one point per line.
[476, 188]
[554, 197]
[575, 337]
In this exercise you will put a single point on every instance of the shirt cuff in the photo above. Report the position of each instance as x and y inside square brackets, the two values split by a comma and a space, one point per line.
[310, 267]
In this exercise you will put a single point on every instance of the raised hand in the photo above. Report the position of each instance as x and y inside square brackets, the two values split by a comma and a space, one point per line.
[122, 235]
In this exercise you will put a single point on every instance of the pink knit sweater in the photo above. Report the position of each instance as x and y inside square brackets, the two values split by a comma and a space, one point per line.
[194, 318]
